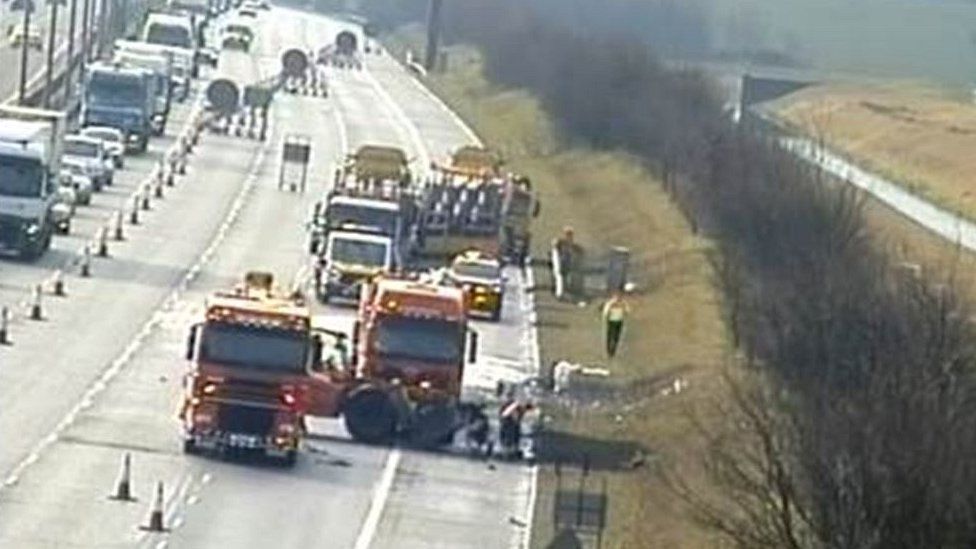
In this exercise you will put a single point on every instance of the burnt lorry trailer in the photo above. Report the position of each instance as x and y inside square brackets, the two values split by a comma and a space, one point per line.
[300, 76]
[342, 53]
[238, 98]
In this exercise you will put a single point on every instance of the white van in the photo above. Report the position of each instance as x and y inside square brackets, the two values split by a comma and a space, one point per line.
[176, 33]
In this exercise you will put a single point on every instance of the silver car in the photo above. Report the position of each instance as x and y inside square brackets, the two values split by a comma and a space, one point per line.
[113, 140]
[75, 177]
[90, 153]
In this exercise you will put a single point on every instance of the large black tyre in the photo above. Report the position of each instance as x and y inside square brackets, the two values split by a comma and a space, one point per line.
[433, 425]
[190, 447]
[289, 459]
[496, 313]
[370, 416]
[323, 294]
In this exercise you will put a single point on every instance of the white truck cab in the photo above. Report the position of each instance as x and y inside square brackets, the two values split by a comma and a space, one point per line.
[351, 258]
[176, 34]
[31, 142]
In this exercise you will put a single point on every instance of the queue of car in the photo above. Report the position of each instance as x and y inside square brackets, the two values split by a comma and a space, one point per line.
[88, 164]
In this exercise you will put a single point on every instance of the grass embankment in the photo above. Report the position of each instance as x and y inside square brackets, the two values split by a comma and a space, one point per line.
[676, 330]
[922, 138]
[916, 136]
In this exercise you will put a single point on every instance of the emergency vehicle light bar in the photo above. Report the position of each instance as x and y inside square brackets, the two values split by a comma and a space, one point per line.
[229, 314]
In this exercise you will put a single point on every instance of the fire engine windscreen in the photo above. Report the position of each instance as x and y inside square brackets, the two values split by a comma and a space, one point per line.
[358, 252]
[254, 347]
[478, 270]
[426, 339]
[384, 220]
[20, 177]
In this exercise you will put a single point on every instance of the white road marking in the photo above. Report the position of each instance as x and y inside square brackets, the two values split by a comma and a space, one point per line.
[472, 136]
[399, 114]
[378, 503]
[123, 359]
[525, 534]
[343, 136]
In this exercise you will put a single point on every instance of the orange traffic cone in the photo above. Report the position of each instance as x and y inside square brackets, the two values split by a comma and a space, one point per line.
[123, 486]
[156, 512]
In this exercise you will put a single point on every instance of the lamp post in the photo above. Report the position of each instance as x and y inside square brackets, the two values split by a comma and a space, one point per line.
[103, 27]
[22, 96]
[49, 68]
[433, 33]
[71, 46]
[85, 33]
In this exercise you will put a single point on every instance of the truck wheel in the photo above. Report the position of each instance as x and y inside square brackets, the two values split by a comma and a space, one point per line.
[34, 250]
[433, 425]
[370, 416]
[496, 313]
[190, 447]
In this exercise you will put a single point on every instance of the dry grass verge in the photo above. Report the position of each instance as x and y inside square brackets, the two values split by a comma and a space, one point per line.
[676, 331]
[920, 137]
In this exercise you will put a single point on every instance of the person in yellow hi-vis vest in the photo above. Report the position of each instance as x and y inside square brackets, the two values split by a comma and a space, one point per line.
[615, 311]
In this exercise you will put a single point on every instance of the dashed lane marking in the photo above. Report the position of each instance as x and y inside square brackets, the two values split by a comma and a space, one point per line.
[116, 366]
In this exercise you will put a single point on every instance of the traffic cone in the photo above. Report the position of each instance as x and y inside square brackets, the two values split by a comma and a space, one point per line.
[86, 261]
[58, 283]
[36, 312]
[134, 213]
[103, 242]
[117, 226]
[123, 486]
[4, 325]
[156, 512]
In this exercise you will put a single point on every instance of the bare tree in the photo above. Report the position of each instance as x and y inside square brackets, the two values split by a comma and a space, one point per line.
[857, 424]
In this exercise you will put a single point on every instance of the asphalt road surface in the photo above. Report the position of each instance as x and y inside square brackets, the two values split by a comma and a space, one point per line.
[101, 376]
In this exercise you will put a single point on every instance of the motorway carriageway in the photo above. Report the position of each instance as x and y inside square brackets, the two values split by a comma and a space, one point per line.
[36, 58]
[101, 377]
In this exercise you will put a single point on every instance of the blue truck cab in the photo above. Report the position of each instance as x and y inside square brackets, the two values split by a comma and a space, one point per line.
[121, 97]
